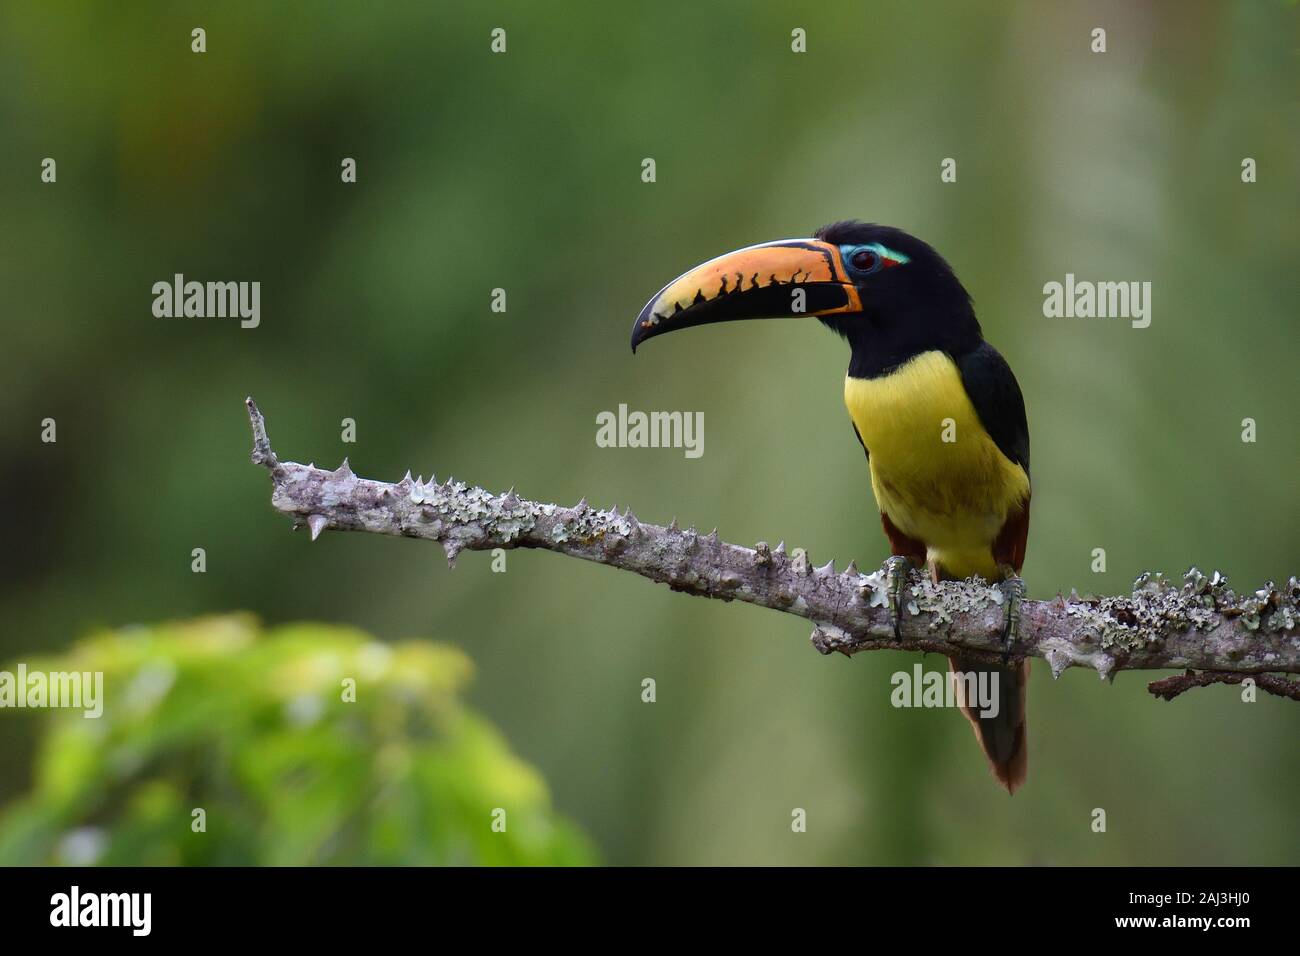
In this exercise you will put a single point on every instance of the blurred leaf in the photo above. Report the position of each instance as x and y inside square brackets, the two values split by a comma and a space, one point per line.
[253, 728]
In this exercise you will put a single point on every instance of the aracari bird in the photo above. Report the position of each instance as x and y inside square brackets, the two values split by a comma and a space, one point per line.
[936, 408]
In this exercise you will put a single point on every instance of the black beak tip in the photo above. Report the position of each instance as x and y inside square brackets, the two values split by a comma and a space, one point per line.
[643, 329]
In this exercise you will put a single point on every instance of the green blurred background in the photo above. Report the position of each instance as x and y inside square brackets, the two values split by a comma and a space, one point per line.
[522, 171]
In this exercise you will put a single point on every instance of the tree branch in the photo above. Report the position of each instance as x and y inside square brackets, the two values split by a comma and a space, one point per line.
[1200, 625]
[1170, 687]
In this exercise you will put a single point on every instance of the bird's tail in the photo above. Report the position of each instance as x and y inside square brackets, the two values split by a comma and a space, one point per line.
[1003, 734]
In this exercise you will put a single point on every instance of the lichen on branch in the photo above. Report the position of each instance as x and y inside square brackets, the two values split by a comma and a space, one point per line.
[1199, 625]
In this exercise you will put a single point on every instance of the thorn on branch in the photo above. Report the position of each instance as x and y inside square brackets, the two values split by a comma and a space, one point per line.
[1058, 660]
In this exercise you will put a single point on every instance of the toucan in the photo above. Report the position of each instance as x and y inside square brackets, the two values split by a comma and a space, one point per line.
[935, 407]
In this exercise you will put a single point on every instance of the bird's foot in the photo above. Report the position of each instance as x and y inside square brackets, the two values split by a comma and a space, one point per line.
[897, 567]
[1013, 590]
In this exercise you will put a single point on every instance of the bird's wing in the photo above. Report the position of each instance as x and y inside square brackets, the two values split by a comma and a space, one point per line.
[995, 393]
[858, 435]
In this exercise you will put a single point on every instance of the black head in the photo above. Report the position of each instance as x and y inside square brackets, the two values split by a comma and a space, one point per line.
[911, 300]
[890, 295]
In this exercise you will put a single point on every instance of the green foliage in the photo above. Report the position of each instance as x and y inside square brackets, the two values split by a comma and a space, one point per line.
[253, 728]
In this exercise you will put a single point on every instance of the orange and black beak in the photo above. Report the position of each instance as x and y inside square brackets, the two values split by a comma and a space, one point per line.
[788, 278]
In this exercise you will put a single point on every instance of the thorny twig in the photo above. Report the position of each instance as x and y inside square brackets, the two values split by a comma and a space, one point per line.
[1201, 625]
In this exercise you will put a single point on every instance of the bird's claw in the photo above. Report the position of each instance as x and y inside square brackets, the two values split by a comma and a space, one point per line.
[897, 567]
[1013, 589]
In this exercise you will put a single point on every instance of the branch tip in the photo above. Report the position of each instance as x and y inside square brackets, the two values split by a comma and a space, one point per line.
[1168, 688]
[262, 453]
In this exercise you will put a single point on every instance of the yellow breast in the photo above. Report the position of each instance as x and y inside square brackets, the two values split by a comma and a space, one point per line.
[934, 469]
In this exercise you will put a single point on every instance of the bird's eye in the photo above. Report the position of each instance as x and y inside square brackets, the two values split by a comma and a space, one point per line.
[864, 260]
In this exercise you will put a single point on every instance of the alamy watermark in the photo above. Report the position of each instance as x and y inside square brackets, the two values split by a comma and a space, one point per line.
[208, 300]
[133, 911]
[78, 690]
[921, 688]
[651, 430]
[1081, 299]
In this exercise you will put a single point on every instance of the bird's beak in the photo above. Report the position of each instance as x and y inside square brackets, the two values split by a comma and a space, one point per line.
[788, 278]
